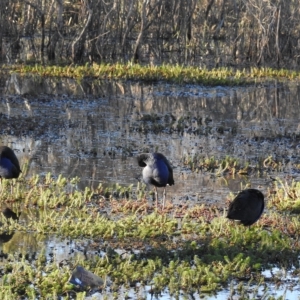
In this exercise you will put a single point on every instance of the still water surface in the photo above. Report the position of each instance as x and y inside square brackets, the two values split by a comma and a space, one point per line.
[93, 130]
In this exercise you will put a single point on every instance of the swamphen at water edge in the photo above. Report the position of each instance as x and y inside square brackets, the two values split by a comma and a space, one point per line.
[157, 172]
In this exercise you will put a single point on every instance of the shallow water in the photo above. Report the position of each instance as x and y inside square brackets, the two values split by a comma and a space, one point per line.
[94, 130]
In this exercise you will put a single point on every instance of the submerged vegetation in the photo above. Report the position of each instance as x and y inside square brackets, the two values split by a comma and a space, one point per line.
[230, 165]
[182, 249]
[172, 73]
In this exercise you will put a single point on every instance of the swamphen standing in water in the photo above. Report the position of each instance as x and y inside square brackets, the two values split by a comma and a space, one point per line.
[157, 172]
[9, 169]
[247, 207]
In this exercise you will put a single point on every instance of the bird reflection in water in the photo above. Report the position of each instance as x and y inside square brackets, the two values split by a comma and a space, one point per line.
[8, 214]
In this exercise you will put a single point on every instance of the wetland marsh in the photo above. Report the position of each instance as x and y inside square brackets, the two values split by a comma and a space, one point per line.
[218, 139]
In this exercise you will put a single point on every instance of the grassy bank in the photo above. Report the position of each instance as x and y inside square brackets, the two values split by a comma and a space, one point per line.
[171, 73]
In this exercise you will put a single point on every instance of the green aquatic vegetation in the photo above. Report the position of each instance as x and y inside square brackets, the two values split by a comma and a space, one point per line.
[114, 191]
[226, 165]
[33, 279]
[285, 196]
[188, 249]
[174, 73]
[50, 192]
[230, 165]
[64, 223]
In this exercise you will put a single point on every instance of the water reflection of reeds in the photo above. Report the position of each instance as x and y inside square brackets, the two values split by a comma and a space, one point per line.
[94, 129]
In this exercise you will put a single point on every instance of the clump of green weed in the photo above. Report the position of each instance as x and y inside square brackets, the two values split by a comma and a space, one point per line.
[284, 196]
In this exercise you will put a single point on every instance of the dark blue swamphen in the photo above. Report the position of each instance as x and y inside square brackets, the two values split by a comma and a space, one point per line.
[9, 164]
[157, 172]
[247, 207]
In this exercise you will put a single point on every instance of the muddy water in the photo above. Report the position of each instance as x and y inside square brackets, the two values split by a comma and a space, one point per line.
[94, 129]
